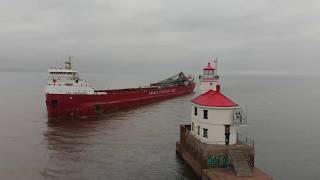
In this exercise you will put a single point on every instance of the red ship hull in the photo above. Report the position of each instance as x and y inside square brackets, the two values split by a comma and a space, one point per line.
[60, 105]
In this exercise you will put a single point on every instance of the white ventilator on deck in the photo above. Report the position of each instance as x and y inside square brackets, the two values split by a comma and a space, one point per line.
[209, 79]
[67, 81]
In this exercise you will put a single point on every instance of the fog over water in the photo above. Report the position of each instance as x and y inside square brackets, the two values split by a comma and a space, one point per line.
[104, 36]
[268, 59]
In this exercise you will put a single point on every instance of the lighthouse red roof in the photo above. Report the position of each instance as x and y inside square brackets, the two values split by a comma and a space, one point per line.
[214, 99]
[209, 67]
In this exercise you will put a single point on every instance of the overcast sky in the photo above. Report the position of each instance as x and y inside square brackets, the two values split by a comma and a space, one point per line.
[163, 35]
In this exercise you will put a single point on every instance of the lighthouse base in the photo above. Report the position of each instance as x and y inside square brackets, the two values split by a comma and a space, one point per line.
[211, 161]
[228, 174]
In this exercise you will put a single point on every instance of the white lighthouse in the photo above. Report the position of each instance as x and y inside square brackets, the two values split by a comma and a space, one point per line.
[209, 79]
[215, 118]
[211, 144]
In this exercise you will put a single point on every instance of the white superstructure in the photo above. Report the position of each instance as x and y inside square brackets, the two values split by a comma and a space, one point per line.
[67, 81]
[209, 79]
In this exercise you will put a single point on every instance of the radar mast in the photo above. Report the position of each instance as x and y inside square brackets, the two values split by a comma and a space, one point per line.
[67, 64]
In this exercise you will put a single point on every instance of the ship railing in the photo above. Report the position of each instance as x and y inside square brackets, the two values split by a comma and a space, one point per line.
[242, 139]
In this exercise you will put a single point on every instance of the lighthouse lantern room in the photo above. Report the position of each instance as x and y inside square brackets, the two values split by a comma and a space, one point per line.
[209, 79]
[215, 118]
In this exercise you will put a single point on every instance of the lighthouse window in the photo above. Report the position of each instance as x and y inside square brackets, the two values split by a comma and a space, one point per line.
[198, 130]
[195, 111]
[192, 126]
[205, 132]
[205, 114]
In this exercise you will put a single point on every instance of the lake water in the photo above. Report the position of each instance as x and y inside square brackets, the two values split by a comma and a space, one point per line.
[140, 143]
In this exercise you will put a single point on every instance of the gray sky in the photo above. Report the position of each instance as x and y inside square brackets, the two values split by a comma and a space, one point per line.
[162, 35]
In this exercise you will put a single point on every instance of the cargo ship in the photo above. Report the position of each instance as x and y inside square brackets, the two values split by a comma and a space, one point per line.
[68, 95]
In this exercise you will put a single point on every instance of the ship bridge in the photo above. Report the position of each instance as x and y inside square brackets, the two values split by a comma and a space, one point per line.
[67, 81]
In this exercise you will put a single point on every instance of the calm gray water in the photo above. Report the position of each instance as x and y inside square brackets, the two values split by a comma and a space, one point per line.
[140, 143]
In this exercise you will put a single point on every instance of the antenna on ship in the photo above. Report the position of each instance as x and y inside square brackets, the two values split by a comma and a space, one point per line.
[68, 63]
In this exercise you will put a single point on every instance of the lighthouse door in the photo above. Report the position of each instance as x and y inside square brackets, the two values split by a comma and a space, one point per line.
[227, 134]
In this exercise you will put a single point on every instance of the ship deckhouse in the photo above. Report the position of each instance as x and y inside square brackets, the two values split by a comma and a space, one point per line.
[215, 118]
[209, 79]
[66, 81]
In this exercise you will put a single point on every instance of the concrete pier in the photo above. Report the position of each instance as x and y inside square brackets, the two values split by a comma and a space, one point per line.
[211, 161]
[228, 174]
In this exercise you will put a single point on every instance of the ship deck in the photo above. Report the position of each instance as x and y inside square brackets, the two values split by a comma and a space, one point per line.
[145, 88]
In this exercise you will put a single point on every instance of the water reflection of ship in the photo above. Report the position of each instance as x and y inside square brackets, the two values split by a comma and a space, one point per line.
[114, 145]
[71, 146]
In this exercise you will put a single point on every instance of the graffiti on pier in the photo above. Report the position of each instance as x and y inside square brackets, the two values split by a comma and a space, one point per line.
[221, 161]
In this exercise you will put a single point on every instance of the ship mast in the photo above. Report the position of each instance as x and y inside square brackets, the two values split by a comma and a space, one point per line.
[67, 64]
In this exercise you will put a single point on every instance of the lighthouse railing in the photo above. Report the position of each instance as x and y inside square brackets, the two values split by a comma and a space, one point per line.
[239, 117]
[242, 139]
